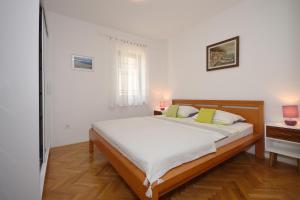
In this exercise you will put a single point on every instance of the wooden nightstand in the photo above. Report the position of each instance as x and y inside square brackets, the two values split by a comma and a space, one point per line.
[284, 140]
[157, 112]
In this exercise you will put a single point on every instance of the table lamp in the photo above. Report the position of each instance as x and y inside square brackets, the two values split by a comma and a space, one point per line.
[162, 105]
[290, 112]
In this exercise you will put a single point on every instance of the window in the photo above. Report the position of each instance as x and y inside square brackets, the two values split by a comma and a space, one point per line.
[131, 76]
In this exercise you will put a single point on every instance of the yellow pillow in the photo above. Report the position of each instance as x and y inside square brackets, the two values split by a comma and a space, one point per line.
[206, 115]
[172, 111]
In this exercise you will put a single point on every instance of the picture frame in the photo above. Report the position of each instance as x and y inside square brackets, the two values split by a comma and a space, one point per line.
[222, 55]
[82, 63]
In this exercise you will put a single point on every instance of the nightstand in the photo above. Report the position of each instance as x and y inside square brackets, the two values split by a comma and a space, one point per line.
[284, 140]
[157, 112]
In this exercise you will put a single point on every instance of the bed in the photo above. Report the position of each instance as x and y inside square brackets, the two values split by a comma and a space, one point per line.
[132, 167]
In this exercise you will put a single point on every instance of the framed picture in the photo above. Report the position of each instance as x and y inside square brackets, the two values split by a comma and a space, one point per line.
[223, 54]
[82, 63]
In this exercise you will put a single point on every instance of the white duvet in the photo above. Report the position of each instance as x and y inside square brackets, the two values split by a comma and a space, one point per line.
[155, 146]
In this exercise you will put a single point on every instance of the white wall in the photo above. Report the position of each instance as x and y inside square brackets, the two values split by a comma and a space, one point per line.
[268, 69]
[80, 97]
[19, 114]
[269, 56]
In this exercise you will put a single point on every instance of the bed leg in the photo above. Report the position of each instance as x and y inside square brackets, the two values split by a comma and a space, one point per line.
[91, 151]
[154, 195]
[260, 149]
[91, 147]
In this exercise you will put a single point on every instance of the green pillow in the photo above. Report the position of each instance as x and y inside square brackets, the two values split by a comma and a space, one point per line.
[172, 111]
[206, 115]
[180, 116]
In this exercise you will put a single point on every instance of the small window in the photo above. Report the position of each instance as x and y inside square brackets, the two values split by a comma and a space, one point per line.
[131, 79]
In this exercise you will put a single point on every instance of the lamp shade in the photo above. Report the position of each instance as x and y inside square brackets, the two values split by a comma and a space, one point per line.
[290, 111]
[162, 104]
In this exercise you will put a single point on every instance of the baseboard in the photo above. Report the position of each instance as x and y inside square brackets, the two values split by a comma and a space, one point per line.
[43, 173]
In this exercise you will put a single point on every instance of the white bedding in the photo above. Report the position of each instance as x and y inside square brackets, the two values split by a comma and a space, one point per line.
[242, 129]
[232, 132]
[226, 130]
[157, 144]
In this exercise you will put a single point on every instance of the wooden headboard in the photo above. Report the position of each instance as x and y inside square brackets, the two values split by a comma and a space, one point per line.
[252, 111]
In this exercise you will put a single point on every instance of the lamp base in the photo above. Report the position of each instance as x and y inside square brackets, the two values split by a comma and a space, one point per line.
[290, 122]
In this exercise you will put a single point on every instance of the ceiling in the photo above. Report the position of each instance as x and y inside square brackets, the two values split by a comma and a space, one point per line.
[158, 19]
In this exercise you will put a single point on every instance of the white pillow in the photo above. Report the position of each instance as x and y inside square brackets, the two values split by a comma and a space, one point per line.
[186, 111]
[226, 118]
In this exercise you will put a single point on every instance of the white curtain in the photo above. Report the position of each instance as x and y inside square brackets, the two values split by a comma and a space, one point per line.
[129, 74]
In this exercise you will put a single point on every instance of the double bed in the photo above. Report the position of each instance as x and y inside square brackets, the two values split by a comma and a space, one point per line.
[156, 154]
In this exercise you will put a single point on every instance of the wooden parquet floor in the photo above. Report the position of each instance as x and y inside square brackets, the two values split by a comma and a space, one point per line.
[73, 175]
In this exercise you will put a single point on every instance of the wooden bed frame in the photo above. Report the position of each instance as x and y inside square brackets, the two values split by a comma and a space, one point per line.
[252, 111]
